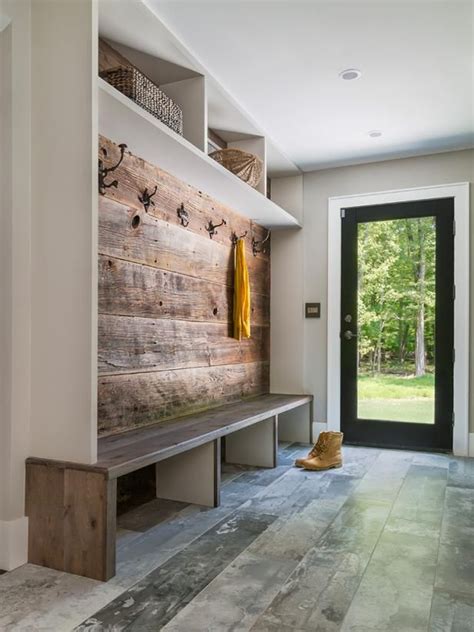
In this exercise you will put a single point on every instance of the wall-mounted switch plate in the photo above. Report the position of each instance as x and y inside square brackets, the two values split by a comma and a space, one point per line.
[312, 310]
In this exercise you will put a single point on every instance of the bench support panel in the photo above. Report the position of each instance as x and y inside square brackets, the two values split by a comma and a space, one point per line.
[71, 520]
[256, 445]
[296, 425]
[192, 477]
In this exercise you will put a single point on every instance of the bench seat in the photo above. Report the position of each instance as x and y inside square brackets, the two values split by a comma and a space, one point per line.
[72, 506]
[129, 451]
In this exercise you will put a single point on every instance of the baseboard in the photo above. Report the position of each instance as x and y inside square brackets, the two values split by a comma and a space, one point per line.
[13, 543]
[318, 428]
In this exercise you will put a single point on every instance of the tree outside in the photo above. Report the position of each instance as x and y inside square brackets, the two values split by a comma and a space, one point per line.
[396, 317]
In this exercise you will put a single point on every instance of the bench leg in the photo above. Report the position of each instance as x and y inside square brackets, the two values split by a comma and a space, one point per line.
[256, 445]
[192, 477]
[71, 520]
[297, 425]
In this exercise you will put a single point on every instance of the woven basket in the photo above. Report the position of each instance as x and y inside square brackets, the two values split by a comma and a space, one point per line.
[133, 84]
[247, 167]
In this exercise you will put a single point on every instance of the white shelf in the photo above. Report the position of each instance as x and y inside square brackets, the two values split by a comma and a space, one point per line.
[121, 120]
[184, 86]
[138, 26]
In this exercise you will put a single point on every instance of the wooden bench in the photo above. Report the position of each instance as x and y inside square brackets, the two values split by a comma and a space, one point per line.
[72, 506]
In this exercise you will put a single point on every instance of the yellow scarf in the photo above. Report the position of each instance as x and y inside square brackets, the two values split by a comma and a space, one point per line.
[241, 293]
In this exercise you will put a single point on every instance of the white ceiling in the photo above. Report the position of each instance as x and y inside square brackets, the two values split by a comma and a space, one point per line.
[281, 60]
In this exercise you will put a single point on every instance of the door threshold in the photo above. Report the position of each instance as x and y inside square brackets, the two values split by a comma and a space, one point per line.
[397, 447]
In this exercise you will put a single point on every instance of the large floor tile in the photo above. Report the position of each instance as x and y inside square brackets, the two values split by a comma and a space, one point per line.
[321, 588]
[461, 473]
[458, 518]
[150, 514]
[421, 498]
[157, 598]
[455, 570]
[290, 538]
[432, 459]
[263, 476]
[391, 464]
[357, 461]
[395, 592]
[241, 592]
[153, 548]
[452, 612]
[38, 599]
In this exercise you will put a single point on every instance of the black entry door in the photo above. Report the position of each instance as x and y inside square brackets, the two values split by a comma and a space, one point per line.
[397, 324]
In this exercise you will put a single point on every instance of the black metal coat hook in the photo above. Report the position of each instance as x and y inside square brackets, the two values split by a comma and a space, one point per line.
[259, 246]
[211, 228]
[145, 198]
[183, 215]
[235, 238]
[104, 171]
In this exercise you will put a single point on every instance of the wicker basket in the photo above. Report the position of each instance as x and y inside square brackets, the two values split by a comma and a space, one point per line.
[133, 84]
[247, 167]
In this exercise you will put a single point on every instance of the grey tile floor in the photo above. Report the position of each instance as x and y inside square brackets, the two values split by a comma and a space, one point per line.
[384, 544]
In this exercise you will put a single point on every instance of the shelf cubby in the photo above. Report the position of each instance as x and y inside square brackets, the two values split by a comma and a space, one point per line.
[166, 62]
[121, 120]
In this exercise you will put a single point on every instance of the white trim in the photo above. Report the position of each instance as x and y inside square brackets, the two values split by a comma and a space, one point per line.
[318, 428]
[13, 543]
[471, 444]
[5, 21]
[460, 193]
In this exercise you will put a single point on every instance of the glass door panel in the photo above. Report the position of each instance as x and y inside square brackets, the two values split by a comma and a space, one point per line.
[396, 306]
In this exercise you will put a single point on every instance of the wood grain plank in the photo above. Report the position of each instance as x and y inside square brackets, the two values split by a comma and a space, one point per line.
[44, 493]
[89, 524]
[132, 289]
[135, 174]
[228, 416]
[131, 400]
[159, 244]
[126, 452]
[165, 301]
[130, 344]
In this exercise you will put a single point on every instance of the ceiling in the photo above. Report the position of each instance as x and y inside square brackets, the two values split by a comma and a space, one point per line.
[280, 60]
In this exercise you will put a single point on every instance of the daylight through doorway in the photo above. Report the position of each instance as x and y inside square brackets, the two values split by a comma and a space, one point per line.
[396, 318]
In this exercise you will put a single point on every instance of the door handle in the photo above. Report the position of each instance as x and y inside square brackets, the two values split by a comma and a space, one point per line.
[348, 335]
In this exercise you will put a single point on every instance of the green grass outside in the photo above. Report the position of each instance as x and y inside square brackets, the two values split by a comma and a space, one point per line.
[396, 398]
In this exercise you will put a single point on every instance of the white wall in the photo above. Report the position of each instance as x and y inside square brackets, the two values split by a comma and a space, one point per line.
[15, 287]
[48, 247]
[308, 277]
[65, 225]
[286, 374]
[286, 308]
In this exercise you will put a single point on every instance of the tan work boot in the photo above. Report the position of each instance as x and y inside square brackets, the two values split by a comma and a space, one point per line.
[313, 452]
[328, 455]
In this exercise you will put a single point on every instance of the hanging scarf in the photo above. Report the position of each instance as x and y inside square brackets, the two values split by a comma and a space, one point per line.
[241, 293]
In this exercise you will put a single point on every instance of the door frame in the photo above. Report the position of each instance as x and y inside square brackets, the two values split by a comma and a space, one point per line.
[460, 193]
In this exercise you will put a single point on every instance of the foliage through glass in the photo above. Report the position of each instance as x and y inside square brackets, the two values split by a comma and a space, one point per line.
[396, 319]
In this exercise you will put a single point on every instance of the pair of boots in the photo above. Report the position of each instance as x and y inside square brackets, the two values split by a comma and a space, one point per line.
[325, 454]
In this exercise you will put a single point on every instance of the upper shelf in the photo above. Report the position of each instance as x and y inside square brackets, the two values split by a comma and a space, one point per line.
[138, 27]
[121, 120]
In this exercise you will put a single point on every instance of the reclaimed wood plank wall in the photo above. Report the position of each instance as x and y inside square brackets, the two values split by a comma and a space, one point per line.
[165, 301]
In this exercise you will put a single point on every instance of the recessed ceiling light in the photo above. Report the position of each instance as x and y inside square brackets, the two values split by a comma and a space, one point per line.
[374, 133]
[350, 74]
